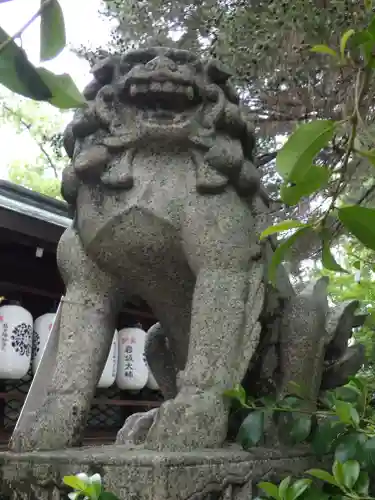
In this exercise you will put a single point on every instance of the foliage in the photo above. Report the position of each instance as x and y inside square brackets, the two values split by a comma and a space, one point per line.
[42, 171]
[34, 178]
[343, 425]
[296, 158]
[87, 487]
[21, 76]
[357, 284]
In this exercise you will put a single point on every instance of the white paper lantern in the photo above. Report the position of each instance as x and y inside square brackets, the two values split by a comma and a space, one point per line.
[16, 327]
[110, 370]
[132, 371]
[42, 327]
[151, 382]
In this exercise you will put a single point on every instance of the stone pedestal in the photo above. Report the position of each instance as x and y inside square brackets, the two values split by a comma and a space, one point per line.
[228, 473]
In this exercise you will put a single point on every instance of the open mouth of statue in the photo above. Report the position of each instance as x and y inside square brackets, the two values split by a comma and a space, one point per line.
[162, 98]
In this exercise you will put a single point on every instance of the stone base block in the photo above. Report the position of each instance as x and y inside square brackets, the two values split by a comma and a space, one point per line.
[226, 474]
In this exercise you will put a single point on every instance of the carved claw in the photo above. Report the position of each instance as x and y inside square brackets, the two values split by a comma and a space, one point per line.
[178, 420]
[341, 361]
[136, 428]
[337, 374]
[339, 327]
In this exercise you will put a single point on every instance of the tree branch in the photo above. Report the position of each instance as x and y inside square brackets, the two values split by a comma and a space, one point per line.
[266, 158]
[25, 26]
[40, 145]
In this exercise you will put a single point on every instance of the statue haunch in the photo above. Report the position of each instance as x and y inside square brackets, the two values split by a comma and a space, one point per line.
[168, 206]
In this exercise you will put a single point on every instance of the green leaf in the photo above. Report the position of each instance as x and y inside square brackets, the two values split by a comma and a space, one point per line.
[283, 487]
[328, 399]
[94, 489]
[369, 451]
[360, 38]
[18, 74]
[65, 94]
[326, 435]
[371, 27]
[355, 416]
[301, 428]
[323, 49]
[52, 30]
[338, 473]
[280, 253]
[362, 484]
[315, 493]
[74, 482]
[238, 393]
[296, 156]
[360, 222]
[344, 40]
[351, 471]
[344, 411]
[364, 41]
[359, 383]
[346, 448]
[271, 489]
[315, 178]
[328, 260]
[323, 475]
[349, 392]
[282, 226]
[251, 430]
[298, 488]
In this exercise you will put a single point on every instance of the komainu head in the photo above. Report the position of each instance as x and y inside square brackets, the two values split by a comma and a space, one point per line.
[166, 96]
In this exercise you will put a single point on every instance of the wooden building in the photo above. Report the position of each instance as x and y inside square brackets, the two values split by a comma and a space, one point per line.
[30, 227]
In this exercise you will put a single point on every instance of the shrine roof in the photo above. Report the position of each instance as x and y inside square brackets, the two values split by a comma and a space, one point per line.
[35, 205]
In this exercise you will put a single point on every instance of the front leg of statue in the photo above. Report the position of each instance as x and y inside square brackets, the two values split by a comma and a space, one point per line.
[224, 331]
[88, 321]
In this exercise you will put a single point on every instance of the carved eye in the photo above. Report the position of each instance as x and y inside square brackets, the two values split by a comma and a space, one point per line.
[181, 57]
[125, 67]
[218, 72]
[198, 66]
[138, 56]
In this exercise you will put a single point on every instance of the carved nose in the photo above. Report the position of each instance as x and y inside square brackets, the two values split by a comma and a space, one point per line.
[161, 62]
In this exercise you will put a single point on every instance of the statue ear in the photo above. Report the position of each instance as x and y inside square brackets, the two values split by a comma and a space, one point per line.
[218, 72]
[340, 327]
[103, 70]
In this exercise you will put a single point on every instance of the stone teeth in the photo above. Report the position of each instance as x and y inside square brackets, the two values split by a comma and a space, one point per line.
[189, 92]
[155, 87]
[169, 87]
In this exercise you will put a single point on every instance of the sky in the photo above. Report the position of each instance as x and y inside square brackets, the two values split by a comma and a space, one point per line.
[84, 26]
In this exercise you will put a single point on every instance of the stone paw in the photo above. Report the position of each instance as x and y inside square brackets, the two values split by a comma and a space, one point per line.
[188, 422]
[136, 427]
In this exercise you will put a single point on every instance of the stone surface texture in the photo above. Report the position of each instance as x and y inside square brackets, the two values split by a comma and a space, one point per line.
[168, 206]
[225, 474]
